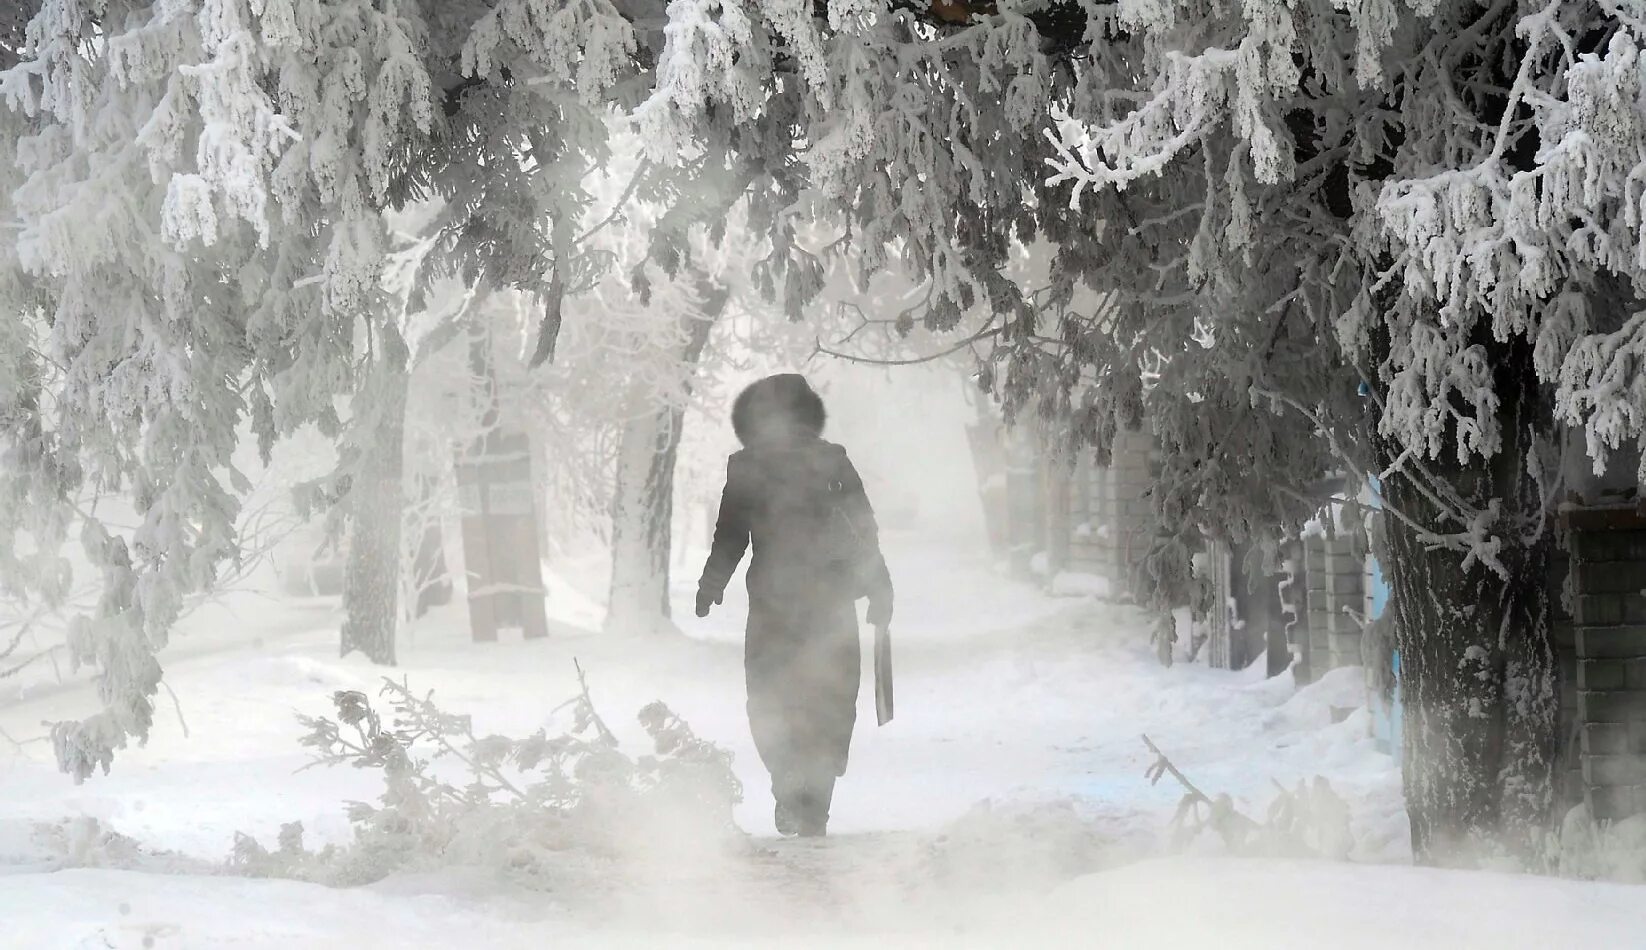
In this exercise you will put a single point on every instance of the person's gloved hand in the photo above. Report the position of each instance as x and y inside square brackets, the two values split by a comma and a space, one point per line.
[880, 611]
[707, 599]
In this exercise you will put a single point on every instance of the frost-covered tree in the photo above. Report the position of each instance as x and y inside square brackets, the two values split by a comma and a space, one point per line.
[198, 244]
[198, 211]
[605, 418]
[657, 324]
[1429, 159]
[607, 415]
[643, 497]
[1277, 204]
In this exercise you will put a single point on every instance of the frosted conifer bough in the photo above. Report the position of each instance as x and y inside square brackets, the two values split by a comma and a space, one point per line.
[199, 247]
[202, 252]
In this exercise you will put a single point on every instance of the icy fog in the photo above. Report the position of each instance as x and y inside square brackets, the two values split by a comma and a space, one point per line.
[1250, 396]
[1006, 804]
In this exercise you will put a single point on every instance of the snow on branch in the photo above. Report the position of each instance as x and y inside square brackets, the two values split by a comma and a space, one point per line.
[514, 804]
[1309, 820]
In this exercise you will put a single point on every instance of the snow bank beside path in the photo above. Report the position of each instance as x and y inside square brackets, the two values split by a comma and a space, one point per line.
[1275, 905]
[122, 909]
[1076, 584]
[1177, 904]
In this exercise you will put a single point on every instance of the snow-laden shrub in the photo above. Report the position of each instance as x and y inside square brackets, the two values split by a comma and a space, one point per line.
[1310, 820]
[83, 841]
[1608, 851]
[454, 798]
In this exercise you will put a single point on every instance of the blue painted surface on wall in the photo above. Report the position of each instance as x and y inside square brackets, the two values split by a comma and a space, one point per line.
[1386, 716]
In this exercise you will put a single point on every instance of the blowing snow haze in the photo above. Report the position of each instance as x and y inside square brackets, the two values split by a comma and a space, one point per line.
[936, 473]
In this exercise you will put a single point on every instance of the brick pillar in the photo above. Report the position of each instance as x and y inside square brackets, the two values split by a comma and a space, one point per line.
[1024, 510]
[1336, 572]
[1131, 480]
[1568, 761]
[1120, 511]
[500, 552]
[1086, 553]
[1314, 643]
[1293, 593]
[1058, 485]
[1347, 557]
[1609, 566]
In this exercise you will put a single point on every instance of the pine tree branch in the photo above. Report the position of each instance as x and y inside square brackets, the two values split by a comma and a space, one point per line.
[911, 361]
[617, 207]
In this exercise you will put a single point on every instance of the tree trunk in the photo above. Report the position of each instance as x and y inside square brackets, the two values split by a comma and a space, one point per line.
[1476, 661]
[371, 580]
[642, 511]
[643, 503]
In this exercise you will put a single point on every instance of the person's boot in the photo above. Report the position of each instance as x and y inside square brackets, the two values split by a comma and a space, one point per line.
[787, 814]
[818, 794]
[788, 823]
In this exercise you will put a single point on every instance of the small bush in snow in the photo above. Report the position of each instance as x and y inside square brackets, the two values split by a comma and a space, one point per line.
[1609, 851]
[84, 842]
[452, 797]
[1310, 820]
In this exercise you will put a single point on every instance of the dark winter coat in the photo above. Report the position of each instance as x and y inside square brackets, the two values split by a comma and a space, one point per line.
[802, 659]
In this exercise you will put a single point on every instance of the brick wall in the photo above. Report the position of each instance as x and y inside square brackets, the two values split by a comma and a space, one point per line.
[1079, 516]
[1112, 502]
[1608, 551]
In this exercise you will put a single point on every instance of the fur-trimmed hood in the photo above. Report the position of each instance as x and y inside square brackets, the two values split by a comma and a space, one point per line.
[778, 409]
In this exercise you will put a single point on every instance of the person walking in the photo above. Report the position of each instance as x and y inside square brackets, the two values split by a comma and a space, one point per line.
[797, 499]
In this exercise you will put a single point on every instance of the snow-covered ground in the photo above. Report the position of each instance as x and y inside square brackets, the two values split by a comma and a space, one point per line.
[1007, 804]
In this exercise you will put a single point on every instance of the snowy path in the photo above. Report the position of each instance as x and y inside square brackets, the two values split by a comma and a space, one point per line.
[1002, 694]
[1014, 768]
